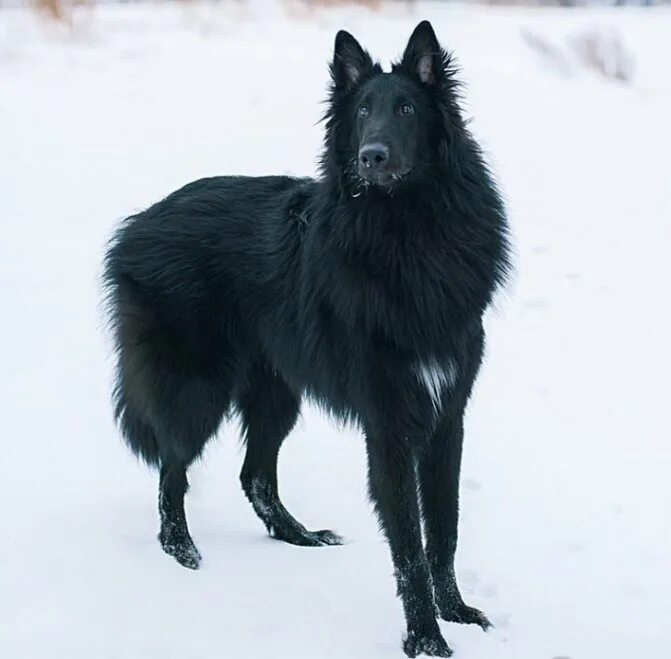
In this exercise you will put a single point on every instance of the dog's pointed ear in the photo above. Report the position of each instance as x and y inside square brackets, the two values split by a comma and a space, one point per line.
[423, 56]
[350, 61]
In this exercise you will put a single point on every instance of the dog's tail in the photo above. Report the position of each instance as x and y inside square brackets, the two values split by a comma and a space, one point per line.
[137, 432]
[127, 320]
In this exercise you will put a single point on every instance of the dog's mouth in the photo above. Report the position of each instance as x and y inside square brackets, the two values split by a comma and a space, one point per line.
[385, 179]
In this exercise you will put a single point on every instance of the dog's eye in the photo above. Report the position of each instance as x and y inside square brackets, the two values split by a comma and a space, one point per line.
[407, 108]
[363, 110]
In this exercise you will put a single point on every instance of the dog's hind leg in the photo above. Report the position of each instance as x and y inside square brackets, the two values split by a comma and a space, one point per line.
[174, 535]
[191, 411]
[269, 410]
[151, 446]
[172, 453]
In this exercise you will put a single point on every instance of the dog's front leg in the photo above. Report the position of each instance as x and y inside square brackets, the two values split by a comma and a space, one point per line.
[393, 490]
[438, 470]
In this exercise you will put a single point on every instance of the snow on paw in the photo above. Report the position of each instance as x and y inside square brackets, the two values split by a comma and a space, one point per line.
[429, 644]
[184, 552]
[328, 538]
[465, 615]
[296, 534]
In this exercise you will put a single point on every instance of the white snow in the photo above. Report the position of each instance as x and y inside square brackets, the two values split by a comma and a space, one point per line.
[566, 533]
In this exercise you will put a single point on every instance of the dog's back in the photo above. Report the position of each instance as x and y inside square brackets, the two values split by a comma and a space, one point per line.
[186, 280]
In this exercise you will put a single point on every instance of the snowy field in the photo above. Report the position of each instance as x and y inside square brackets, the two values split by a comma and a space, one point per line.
[566, 532]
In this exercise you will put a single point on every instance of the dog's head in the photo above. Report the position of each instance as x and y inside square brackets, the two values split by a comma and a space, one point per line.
[388, 129]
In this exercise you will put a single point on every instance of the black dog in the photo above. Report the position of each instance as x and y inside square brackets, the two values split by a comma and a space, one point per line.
[364, 290]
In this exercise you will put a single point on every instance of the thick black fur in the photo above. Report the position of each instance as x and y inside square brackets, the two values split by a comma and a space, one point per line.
[363, 290]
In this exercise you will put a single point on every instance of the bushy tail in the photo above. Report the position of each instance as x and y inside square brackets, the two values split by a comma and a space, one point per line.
[136, 431]
[126, 321]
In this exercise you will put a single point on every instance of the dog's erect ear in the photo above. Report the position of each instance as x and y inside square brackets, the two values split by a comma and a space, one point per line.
[350, 61]
[423, 56]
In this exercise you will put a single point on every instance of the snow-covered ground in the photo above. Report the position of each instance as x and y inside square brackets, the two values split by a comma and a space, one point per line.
[566, 532]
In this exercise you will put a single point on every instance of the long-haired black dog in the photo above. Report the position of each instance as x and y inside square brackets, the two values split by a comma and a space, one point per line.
[364, 290]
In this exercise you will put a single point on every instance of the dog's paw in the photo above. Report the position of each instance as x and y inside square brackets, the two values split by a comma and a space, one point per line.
[431, 644]
[297, 534]
[326, 538]
[184, 551]
[464, 615]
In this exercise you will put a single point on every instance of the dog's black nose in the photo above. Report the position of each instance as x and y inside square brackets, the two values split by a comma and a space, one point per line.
[374, 156]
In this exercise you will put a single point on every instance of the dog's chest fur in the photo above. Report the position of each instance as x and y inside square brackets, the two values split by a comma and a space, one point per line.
[435, 380]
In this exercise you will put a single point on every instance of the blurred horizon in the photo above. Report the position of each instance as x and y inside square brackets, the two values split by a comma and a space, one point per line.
[58, 7]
